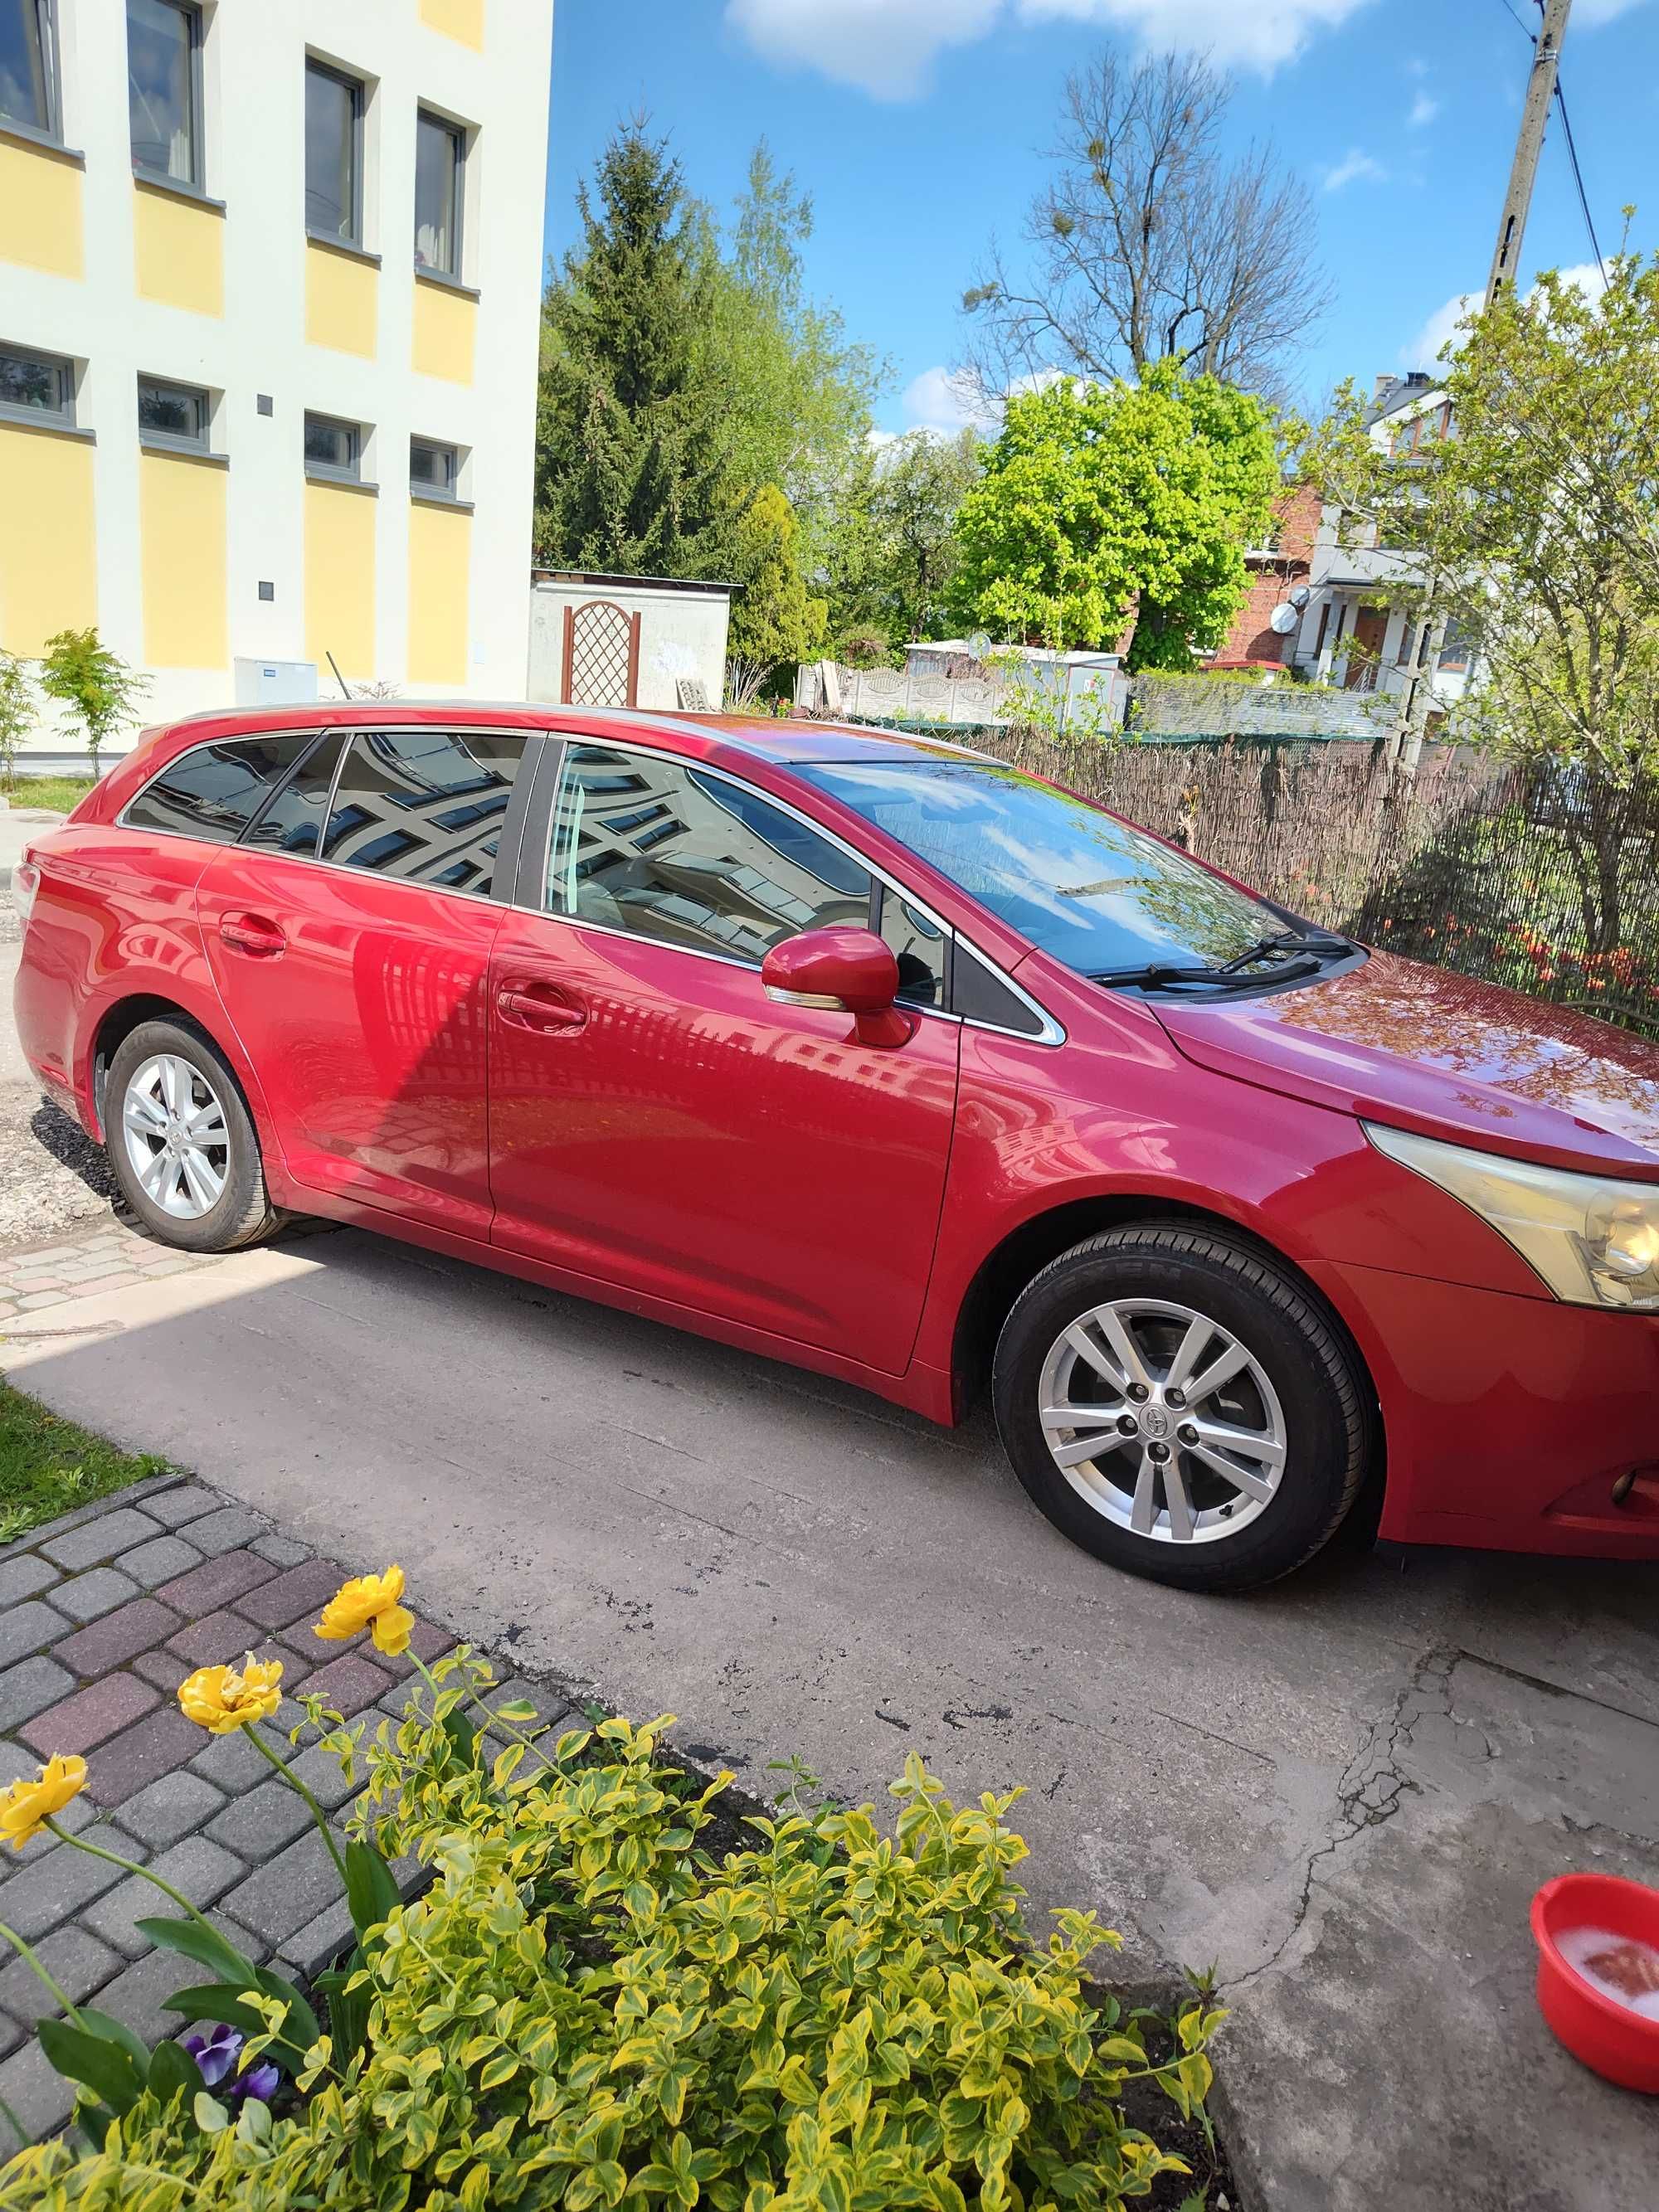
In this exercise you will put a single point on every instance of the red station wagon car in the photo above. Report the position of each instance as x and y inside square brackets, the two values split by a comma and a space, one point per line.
[874, 1054]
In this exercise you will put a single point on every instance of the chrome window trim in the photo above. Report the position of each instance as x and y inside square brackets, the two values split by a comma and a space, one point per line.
[324, 729]
[1053, 1034]
[206, 746]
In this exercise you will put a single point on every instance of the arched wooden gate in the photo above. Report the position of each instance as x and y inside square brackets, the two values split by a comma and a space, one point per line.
[601, 655]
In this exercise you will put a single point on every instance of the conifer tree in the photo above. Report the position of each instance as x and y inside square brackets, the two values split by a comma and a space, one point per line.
[631, 468]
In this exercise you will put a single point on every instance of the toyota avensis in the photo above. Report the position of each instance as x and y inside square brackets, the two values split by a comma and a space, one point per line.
[874, 1054]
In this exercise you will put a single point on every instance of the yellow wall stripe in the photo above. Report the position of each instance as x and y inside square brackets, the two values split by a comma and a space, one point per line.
[40, 209]
[456, 19]
[178, 252]
[340, 579]
[439, 572]
[48, 565]
[182, 509]
[341, 301]
[445, 325]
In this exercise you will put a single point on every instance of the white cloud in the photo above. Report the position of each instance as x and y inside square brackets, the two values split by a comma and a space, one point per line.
[885, 47]
[945, 401]
[1354, 168]
[1441, 330]
[1235, 34]
[1423, 112]
[888, 47]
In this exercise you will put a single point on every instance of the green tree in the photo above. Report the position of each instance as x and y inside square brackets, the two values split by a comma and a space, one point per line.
[1099, 500]
[633, 463]
[103, 691]
[793, 396]
[774, 622]
[1532, 523]
[920, 484]
[16, 714]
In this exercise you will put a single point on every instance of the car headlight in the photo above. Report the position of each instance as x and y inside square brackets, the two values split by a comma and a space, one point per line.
[1594, 1240]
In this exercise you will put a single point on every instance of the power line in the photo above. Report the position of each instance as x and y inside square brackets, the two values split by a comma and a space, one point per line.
[1578, 180]
[1572, 150]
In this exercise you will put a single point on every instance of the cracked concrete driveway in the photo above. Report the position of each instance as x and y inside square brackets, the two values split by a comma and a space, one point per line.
[1343, 1791]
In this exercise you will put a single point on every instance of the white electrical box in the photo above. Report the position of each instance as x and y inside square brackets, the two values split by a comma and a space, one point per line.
[275, 683]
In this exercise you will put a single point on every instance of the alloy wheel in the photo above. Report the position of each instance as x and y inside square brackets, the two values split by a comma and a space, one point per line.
[173, 1126]
[1162, 1421]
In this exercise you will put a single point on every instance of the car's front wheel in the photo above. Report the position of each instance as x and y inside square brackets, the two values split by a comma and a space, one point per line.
[1180, 1407]
[182, 1143]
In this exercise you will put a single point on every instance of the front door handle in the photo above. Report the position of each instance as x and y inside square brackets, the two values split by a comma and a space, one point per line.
[539, 1009]
[252, 934]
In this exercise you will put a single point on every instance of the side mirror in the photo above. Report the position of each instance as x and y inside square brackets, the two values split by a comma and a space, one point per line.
[850, 971]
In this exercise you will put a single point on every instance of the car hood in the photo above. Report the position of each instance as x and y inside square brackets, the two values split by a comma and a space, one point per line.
[1425, 1049]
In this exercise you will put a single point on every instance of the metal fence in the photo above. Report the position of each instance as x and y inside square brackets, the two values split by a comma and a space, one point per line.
[1539, 879]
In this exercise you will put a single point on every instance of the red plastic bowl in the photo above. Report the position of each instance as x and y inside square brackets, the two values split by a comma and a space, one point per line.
[1620, 2044]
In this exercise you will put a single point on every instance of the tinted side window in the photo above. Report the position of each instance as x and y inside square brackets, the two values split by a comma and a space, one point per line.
[918, 946]
[215, 791]
[672, 851]
[294, 820]
[979, 996]
[426, 806]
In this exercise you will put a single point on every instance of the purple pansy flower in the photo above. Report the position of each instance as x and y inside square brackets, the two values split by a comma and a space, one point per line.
[216, 2053]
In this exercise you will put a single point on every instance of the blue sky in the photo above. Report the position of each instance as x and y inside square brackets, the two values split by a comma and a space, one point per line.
[917, 127]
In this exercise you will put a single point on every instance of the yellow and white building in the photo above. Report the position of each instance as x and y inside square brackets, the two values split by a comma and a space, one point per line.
[270, 287]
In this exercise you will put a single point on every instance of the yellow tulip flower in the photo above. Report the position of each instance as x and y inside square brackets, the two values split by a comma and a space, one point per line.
[370, 1602]
[26, 1806]
[222, 1698]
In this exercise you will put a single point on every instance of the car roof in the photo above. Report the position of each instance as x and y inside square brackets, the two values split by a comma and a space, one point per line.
[763, 736]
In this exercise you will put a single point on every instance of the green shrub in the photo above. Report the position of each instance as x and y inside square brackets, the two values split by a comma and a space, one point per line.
[592, 2007]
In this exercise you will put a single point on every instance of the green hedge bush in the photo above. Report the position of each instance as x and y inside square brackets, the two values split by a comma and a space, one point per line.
[592, 2005]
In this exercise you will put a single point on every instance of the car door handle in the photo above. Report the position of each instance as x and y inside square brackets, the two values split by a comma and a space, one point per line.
[539, 1010]
[252, 934]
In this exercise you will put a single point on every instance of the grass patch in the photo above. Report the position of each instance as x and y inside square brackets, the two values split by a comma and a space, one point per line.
[49, 1466]
[59, 793]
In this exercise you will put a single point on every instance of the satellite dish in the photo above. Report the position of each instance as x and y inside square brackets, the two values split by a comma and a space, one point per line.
[1284, 619]
[978, 645]
[1300, 597]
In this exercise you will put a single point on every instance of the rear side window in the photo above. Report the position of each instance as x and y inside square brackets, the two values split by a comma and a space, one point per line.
[425, 805]
[214, 791]
[292, 823]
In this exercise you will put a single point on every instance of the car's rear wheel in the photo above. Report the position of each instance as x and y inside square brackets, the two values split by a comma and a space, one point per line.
[1180, 1407]
[182, 1143]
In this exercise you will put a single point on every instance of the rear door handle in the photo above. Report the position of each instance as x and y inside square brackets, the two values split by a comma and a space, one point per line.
[539, 1008]
[252, 934]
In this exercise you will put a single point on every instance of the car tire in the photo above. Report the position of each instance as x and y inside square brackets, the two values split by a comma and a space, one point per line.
[167, 1085]
[1267, 1462]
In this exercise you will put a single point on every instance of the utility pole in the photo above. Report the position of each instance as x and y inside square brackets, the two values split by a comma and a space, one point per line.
[1430, 637]
[1512, 226]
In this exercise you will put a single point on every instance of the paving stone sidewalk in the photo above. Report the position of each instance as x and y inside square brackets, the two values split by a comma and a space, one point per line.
[102, 1614]
[112, 1257]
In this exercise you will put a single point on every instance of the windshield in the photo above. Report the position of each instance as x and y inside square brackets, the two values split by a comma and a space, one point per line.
[1092, 892]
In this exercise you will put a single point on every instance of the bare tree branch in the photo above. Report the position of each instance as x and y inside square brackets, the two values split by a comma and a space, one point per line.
[1146, 242]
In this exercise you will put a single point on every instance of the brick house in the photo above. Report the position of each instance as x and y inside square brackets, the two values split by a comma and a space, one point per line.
[1279, 568]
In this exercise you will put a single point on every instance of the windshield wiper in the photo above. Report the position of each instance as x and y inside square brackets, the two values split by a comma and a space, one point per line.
[1322, 944]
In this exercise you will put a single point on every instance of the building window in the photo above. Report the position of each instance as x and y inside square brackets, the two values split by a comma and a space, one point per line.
[164, 88]
[36, 386]
[173, 414]
[439, 154]
[333, 449]
[433, 469]
[28, 75]
[334, 154]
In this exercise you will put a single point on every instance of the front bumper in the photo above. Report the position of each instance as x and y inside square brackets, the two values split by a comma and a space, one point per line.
[1509, 1420]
